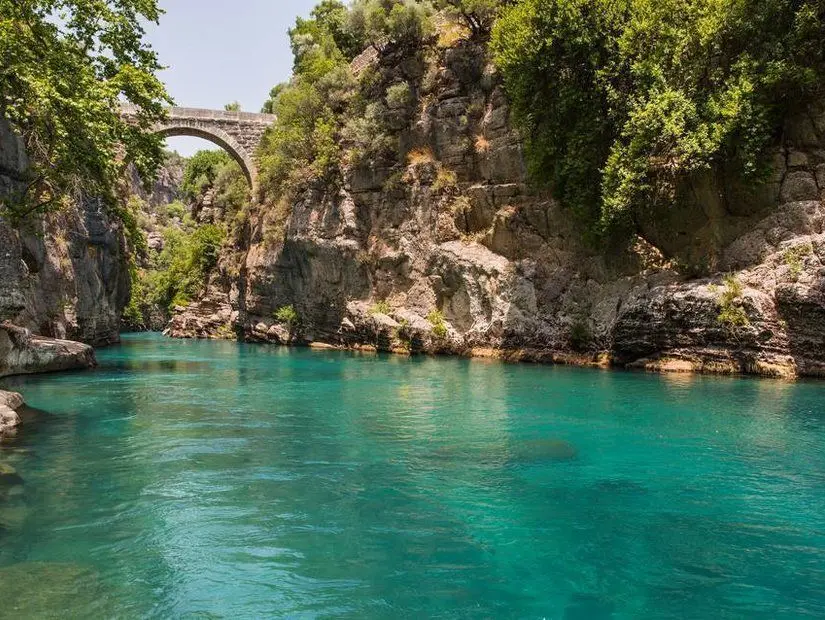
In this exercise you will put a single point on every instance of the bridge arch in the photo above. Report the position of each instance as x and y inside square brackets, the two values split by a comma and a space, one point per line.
[216, 136]
[238, 133]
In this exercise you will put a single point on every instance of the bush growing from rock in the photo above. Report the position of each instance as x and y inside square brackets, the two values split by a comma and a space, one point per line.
[381, 307]
[287, 315]
[639, 97]
[436, 319]
[731, 312]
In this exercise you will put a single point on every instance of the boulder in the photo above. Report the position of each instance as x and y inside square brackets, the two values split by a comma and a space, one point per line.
[23, 353]
[10, 402]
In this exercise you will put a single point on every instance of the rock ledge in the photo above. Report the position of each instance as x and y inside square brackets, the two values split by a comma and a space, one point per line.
[24, 353]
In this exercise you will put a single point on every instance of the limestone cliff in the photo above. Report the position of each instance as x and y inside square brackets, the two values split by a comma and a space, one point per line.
[64, 274]
[449, 250]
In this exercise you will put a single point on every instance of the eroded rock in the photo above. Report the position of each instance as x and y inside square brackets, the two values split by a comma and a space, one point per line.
[10, 403]
[22, 352]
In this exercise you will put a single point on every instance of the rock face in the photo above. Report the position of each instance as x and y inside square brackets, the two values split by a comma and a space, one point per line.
[450, 251]
[166, 188]
[10, 402]
[64, 275]
[21, 353]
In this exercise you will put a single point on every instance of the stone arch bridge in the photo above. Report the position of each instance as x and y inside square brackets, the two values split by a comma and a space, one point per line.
[238, 133]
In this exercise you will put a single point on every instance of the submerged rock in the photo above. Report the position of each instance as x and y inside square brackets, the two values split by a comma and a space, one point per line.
[613, 487]
[52, 590]
[588, 607]
[9, 476]
[24, 353]
[542, 450]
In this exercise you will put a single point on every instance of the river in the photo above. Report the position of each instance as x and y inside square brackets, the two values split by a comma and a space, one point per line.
[216, 479]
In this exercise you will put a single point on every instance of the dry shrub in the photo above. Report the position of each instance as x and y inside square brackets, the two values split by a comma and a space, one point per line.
[418, 157]
[482, 144]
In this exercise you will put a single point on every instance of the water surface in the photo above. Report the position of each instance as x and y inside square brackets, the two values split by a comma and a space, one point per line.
[210, 480]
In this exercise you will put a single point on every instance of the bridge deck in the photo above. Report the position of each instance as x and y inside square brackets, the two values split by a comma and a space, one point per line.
[176, 112]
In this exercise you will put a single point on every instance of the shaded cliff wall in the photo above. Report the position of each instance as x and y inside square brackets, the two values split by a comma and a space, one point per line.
[453, 230]
[64, 274]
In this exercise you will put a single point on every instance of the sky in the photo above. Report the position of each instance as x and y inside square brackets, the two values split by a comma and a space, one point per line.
[219, 51]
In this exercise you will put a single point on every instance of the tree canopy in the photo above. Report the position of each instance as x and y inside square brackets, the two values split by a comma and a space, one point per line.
[622, 101]
[66, 67]
[478, 15]
[326, 116]
[215, 170]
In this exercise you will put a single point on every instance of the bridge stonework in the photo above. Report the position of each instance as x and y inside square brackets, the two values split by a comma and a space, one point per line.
[238, 133]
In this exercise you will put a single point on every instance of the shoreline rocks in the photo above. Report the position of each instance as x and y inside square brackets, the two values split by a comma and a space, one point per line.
[10, 403]
[22, 353]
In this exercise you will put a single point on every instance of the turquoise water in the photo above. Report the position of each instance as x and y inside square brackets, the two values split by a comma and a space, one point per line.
[211, 480]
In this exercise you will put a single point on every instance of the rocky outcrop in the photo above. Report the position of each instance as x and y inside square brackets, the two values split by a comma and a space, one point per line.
[22, 352]
[450, 251]
[212, 316]
[10, 402]
[166, 187]
[64, 274]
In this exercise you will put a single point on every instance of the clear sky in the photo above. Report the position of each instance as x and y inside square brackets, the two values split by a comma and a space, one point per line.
[219, 51]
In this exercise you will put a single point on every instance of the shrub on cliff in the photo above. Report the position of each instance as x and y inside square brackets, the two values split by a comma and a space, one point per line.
[385, 24]
[327, 117]
[621, 102]
[477, 15]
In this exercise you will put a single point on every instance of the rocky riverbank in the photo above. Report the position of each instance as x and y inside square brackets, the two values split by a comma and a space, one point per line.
[22, 352]
[449, 250]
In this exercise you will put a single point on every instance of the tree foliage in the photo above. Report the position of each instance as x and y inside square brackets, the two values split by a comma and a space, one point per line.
[622, 102]
[478, 15]
[390, 23]
[201, 171]
[175, 275]
[326, 116]
[332, 18]
[66, 66]
[302, 145]
[215, 170]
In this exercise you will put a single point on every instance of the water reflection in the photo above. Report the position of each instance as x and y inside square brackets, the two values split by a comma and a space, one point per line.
[203, 478]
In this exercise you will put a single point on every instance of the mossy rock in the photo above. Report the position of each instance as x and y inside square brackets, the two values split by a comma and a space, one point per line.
[9, 476]
[51, 590]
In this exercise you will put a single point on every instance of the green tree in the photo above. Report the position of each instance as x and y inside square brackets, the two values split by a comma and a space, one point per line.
[304, 144]
[384, 24]
[478, 15]
[207, 170]
[66, 67]
[331, 16]
[232, 107]
[271, 103]
[624, 102]
[181, 268]
[201, 171]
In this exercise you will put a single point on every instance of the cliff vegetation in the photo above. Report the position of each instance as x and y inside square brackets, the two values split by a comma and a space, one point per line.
[66, 67]
[623, 104]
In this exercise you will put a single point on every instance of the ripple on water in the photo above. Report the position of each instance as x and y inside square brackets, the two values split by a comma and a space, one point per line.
[202, 479]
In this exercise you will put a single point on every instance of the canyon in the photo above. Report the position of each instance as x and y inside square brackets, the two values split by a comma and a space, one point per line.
[451, 251]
